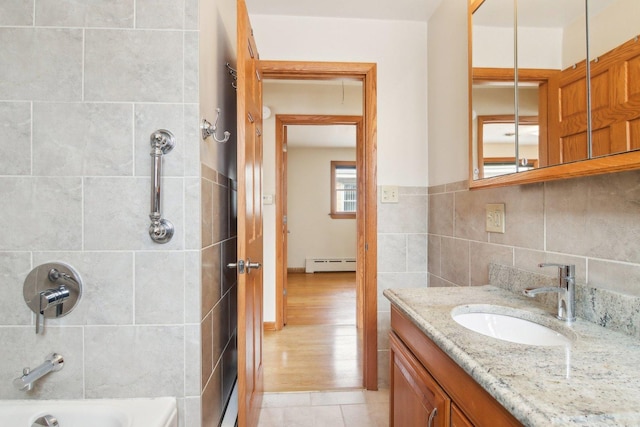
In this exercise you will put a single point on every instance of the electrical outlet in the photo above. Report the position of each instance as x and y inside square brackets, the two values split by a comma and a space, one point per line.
[495, 218]
[389, 194]
[267, 199]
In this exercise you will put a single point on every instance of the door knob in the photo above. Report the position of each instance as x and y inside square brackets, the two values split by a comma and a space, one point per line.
[249, 265]
[239, 265]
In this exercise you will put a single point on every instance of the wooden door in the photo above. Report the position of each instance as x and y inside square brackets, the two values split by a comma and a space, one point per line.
[285, 228]
[282, 236]
[250, 316]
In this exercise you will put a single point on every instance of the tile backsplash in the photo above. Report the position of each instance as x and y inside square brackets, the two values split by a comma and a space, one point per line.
[591, 222]
[402, 258]
[609, 309]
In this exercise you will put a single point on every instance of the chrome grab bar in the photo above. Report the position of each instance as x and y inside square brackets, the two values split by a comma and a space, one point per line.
[162, 142]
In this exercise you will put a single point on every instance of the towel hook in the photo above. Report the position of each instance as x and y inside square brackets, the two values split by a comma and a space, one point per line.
[210, 130]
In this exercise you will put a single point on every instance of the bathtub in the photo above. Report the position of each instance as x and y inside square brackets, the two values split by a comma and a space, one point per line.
[157, 412]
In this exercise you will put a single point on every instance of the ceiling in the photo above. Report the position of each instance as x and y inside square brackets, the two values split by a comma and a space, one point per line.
[398, 10]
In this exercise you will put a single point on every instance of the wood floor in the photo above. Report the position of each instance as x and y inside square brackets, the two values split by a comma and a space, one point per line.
[320, 348]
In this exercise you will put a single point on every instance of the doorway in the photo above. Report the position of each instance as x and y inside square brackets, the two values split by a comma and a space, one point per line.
[367, 198]
[318, 345]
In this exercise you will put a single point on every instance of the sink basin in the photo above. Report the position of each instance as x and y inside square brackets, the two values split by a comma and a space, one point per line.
[507, 326]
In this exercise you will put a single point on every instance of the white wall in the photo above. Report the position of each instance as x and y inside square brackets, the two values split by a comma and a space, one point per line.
[313, 233]
[448, 94]
[293, 98]
[609, 28]
[400, 50]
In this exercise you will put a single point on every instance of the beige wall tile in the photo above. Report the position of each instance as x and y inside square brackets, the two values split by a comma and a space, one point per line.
[392, 253]
[159, 14]
[206, 351]
[441, 214]
[524, 208]
[118, 66]
[455, 261]
[623, 278]
[150, 370]
[192, 287]
[595, 217]
[72, 139]
[384, 326]
[407, 216]
[108, 282]
[148, 119]
[434, 257]
[482, 255]
[59, 51]
[14, 268]
[28, 218]
[439, 282]
[470, 215]
[211, 288]
[15, 121]
[398, 280]
[64, 384]
[191, 67]
[85, 13]
[528, 260]
[122, 205]
[16, 12]
[158, 274]
[416, 252]
[212, 401]
[193, 357]
[206, 212]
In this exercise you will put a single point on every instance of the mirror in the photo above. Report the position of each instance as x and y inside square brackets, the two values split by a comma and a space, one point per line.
[528, 72]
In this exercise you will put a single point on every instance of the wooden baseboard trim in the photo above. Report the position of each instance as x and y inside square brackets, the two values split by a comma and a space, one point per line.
[296, 270]
[269, 326]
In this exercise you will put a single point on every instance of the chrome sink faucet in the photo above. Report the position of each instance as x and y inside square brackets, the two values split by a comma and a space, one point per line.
[566, 290]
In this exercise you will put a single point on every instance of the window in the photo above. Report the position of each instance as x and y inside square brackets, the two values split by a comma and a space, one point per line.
[344, 184]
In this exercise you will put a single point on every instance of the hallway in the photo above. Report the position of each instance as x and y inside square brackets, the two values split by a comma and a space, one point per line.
[320, 348]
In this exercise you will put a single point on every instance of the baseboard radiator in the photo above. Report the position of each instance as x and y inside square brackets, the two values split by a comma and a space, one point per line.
[313, 265]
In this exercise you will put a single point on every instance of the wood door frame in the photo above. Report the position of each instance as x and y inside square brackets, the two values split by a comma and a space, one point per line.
[367, 228]
[282, 121]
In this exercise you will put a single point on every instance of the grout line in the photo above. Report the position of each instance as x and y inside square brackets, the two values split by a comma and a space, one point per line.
[82, 81]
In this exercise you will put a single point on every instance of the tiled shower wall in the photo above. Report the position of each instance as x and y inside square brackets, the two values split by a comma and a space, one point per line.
[82, 86]
[402, 258]
[591, 222]
[219, 294]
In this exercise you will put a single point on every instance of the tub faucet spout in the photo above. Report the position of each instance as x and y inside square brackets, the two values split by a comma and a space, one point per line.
[566, 291]
[53, 362]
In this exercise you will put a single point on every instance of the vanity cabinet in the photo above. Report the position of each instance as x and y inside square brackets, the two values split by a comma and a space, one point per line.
[417, 399]
[424, 378]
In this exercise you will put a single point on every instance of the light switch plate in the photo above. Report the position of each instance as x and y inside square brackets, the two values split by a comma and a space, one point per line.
[267, 199]
[389, 194]
[495, 218]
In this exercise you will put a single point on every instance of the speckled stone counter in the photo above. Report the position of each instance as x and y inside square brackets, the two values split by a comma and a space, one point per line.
[595, 381]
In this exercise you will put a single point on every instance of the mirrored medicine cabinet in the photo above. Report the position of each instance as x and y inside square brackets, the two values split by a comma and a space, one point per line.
[554, 89]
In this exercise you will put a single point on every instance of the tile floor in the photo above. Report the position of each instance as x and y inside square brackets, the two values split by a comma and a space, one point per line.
[354, 408]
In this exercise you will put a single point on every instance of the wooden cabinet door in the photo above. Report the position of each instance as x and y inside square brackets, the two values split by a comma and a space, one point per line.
[458, 418]
[416, 399]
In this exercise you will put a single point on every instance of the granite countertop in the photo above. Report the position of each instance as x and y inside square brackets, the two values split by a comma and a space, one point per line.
[595, 381]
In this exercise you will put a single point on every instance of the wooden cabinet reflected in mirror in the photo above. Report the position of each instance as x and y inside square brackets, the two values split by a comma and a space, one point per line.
[588, 112]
